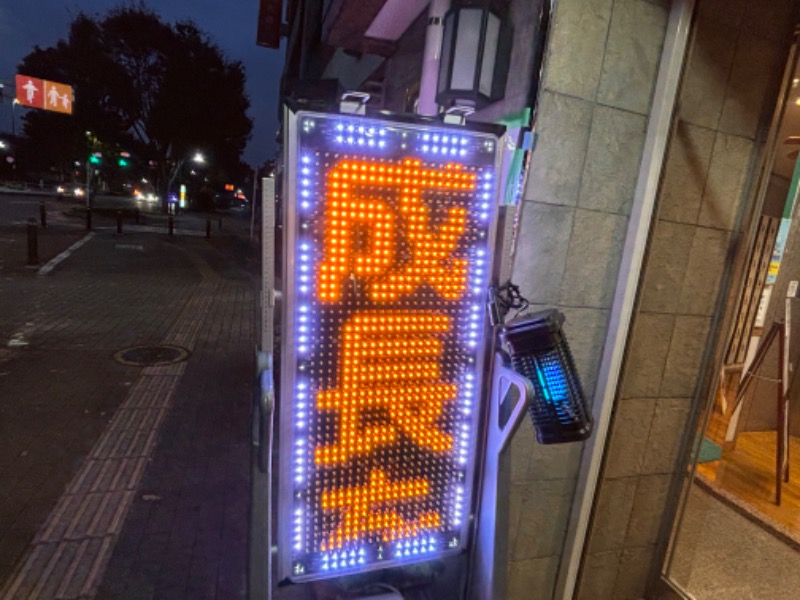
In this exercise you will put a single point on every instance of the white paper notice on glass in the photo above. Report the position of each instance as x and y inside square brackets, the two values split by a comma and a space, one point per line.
[792, 291]
[761, 313]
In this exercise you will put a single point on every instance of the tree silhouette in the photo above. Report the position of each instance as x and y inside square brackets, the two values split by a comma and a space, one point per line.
[161, 91]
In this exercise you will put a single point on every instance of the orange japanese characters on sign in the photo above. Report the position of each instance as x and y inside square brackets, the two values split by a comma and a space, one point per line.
[368, 510]
[431, 261]
[390, 362]
[388, 254]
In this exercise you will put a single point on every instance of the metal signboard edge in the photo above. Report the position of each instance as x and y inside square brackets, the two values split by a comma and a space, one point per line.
[287, 340]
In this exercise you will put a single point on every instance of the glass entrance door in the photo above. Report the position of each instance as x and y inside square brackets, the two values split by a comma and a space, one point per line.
[737, 533]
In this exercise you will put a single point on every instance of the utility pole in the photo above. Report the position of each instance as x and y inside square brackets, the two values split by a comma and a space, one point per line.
[14, 103]
[253, 204]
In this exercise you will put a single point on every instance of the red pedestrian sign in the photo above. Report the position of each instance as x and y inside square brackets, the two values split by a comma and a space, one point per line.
[40, 93]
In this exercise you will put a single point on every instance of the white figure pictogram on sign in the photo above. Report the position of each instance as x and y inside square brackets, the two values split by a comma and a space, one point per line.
[30, 90]
[53, 96]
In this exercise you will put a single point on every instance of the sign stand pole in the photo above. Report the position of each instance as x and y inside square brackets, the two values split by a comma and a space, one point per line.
[778, 333]
[489, 553]
[260, 555]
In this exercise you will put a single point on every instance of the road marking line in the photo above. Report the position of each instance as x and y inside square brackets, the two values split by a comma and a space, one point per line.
[64, 255]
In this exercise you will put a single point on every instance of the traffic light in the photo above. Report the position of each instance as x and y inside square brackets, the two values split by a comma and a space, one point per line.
[95, 158]
[122, 162]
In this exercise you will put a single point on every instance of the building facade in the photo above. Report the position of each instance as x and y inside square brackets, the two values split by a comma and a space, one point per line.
[641, 205]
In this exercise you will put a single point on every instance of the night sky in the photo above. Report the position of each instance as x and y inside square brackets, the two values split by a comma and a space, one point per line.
[231, 24]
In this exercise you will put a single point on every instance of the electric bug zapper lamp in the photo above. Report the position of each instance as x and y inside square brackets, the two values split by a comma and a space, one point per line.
[539, 350]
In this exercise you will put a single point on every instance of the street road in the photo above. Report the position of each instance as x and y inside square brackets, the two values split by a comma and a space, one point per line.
[16, 209]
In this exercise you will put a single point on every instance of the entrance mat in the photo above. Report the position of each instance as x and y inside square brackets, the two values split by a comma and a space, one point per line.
[709, 451]
[779, 530]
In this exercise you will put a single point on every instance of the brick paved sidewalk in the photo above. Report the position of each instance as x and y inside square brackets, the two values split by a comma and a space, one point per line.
[129, 482]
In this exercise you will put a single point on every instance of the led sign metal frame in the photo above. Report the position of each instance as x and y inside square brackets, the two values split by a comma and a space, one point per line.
[389, 229]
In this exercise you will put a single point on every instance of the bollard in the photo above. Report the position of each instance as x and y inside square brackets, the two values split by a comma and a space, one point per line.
[220, 223]
[136, 216]
[42, 214]
[171, 226]
[33, 243]
[208, 228]
[88, 219]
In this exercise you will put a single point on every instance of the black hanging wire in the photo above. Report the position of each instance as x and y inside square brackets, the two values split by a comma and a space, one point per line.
[505, 298]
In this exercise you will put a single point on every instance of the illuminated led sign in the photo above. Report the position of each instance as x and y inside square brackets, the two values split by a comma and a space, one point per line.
[389, 228]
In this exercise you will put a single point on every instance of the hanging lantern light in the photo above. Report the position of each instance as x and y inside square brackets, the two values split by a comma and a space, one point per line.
[539, 351]
[476, 47]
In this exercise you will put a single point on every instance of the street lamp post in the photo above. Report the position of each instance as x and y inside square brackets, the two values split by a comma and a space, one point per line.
[197, 158]
[14, 117]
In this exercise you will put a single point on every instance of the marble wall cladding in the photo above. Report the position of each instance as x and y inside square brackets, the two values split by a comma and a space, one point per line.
[646, 436]
[595, 248]
[670, 247]
[727, 12]
[586, 330]
[612, 514]
[773, 19]
[616, 575]
[628, 442]
[755, 65]
[682, 366]
[553, 462]
[633, 573]
[728, 87]
[544, 515]
[705, 81]
[556, 165]
[522, 447]
[599, 75]
[599, 576]
[612, 160]
[541, 252]
[576, 47]
[532, 578]
[710, 252]
[516, 496]
[648, 506]
[632, 54]
[685, 173]
[647, 353]
[724, 189]
[665, 435]
[698, 505]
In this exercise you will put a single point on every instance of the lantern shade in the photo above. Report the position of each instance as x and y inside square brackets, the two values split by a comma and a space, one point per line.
[476, 47]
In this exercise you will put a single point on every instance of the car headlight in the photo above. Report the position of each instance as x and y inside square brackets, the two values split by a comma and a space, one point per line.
[79, 192]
